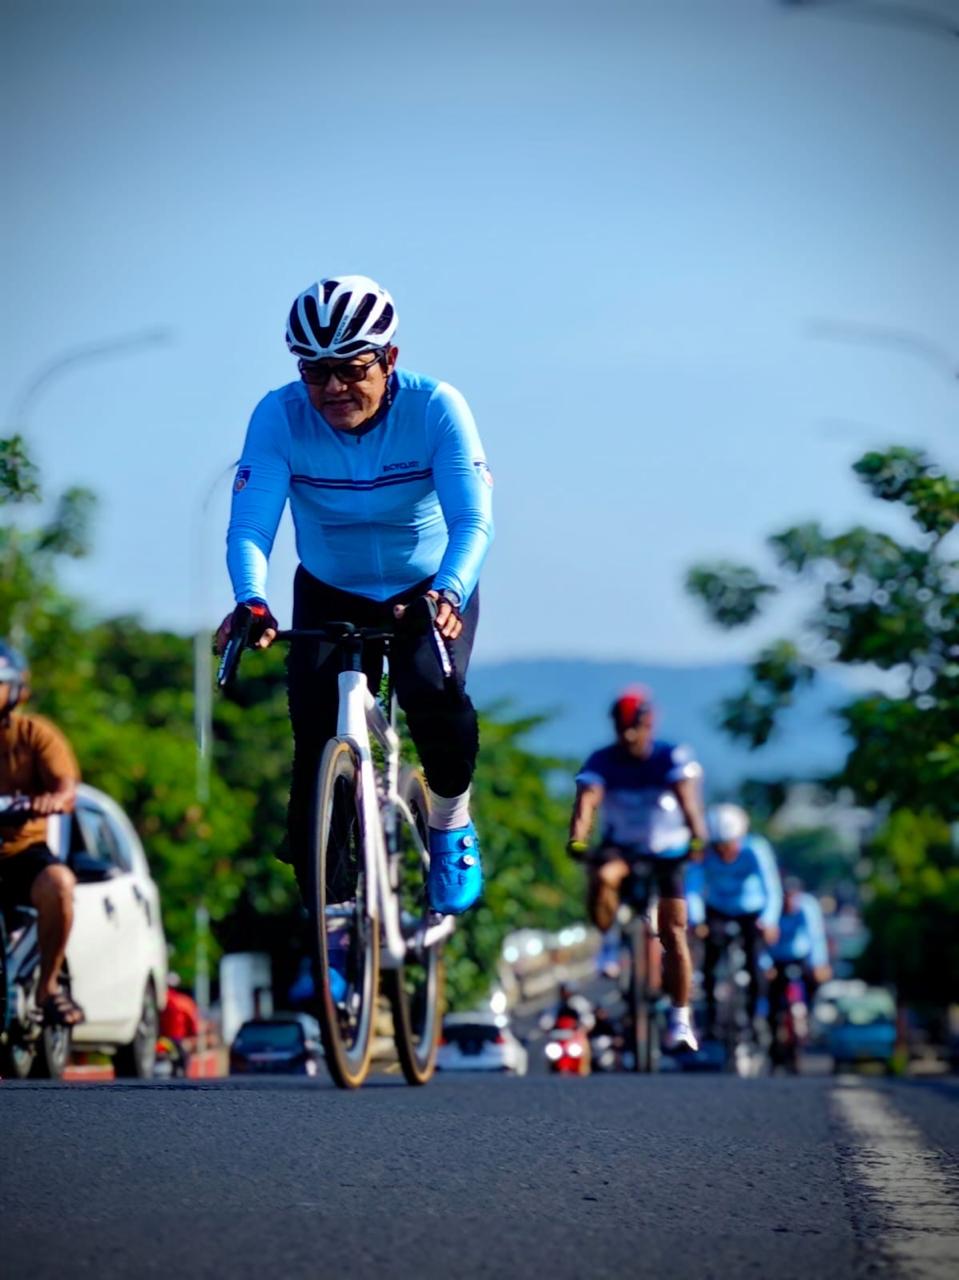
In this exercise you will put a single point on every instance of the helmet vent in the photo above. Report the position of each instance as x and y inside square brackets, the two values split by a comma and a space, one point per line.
[383, 322]
[359, 318]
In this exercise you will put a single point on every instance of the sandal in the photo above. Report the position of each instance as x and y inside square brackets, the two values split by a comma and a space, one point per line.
[60, 1010]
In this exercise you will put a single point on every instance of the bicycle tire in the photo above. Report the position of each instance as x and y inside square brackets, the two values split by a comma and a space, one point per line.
[638, 997]
[4, 987]
[336, 856]
[415, 989]
[734, 1015]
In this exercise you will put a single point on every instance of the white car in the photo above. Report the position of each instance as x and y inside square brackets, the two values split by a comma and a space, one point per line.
[117, 952]
[480, 1042]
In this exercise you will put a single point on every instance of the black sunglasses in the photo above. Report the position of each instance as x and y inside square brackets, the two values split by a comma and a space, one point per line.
[318, 375]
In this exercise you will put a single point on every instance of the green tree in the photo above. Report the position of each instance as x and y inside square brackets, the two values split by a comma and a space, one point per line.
[912, 909]
[877, 602]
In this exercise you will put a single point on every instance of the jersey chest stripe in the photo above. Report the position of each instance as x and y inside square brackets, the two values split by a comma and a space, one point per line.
[325, 482]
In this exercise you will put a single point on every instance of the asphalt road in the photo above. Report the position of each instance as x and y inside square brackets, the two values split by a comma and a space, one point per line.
[669, 1176]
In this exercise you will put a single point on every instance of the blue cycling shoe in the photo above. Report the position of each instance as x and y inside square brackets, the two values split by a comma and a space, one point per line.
[456, 873]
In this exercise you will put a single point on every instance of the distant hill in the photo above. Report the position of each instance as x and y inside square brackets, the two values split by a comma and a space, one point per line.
[578, 692]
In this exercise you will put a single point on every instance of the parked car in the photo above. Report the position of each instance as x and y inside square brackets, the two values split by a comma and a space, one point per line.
[480, 1041]
[117, 952]
[864, 1029]
[282, 1043]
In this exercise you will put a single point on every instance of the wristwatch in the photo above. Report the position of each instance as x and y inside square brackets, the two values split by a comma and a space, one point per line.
[451, 597]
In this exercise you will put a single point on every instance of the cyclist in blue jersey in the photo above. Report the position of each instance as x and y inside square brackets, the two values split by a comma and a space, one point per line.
[801, 939]
[390, 494]
[736, 882]
[649, 795]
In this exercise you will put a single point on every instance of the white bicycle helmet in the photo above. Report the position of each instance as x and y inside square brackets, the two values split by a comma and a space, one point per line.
[727, 822]
[340, 317]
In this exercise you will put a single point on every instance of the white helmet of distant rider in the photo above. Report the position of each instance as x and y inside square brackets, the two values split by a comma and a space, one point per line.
[340, 317]
[728, 824]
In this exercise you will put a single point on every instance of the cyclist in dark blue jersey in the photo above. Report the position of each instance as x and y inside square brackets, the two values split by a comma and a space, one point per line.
[391, 498]
[649, 795]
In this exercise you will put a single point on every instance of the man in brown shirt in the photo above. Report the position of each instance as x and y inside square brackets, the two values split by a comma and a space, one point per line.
[39, 772]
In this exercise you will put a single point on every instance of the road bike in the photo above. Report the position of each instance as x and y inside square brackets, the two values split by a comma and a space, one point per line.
[641, 974]
[788, 1016]
[368, 862]
[733, 1027]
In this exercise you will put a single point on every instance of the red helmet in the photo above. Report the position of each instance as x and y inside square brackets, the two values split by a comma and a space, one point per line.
[633, 706]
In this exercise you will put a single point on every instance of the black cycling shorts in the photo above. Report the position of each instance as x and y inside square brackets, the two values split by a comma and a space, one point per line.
[18, 872]
[666, 873]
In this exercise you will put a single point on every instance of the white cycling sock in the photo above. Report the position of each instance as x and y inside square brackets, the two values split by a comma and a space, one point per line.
[681, 1013]
[449, 812]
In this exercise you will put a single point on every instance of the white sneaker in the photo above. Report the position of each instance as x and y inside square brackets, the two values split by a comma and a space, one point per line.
[680, 1036]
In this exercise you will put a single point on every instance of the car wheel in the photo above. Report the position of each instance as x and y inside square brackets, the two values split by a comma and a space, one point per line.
[137, 1059]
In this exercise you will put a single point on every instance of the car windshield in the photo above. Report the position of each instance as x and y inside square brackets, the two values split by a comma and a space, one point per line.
[863, 1010]
[269, 1037]
[471, 1031]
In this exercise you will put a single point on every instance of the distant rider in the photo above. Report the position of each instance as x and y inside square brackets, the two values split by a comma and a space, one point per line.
[649, 794]
[38, 766]
[180, 1021]
[802, 940]
[736, 883]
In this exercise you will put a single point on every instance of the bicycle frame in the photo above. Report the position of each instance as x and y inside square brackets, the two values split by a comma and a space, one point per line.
[360, 718]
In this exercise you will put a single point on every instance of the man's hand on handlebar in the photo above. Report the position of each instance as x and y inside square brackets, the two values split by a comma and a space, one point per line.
[446, 619]
[263, 626]
[50, 802]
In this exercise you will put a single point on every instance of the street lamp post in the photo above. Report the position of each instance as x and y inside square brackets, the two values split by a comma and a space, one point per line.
[889, 15]
[155, 336]
[202, 653]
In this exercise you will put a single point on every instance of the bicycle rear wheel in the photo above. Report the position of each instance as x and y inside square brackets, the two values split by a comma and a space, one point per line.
[4, 985]
[342, 918]
[415, 989]
[638, 1001]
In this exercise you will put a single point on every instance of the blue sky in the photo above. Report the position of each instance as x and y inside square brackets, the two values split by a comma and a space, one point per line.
[610, 225]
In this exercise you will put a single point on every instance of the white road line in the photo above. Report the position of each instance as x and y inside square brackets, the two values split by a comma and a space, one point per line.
[906, 1182]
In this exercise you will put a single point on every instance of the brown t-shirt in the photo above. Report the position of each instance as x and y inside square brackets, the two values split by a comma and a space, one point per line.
[35, 758]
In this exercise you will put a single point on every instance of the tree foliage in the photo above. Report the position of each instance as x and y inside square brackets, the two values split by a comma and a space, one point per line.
[877, 602]
[892, 604]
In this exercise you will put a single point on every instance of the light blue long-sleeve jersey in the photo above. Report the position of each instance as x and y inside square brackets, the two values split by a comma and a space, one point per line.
[748, 885]
[375, 511]
[802, 934]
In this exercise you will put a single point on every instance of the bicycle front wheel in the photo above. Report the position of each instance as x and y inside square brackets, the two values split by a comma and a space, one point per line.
[415, 989]
[345, 932]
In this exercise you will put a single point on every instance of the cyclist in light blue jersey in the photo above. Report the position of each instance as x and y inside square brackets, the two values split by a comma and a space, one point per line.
[802, 935]
[391, 499]
[737, 882]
